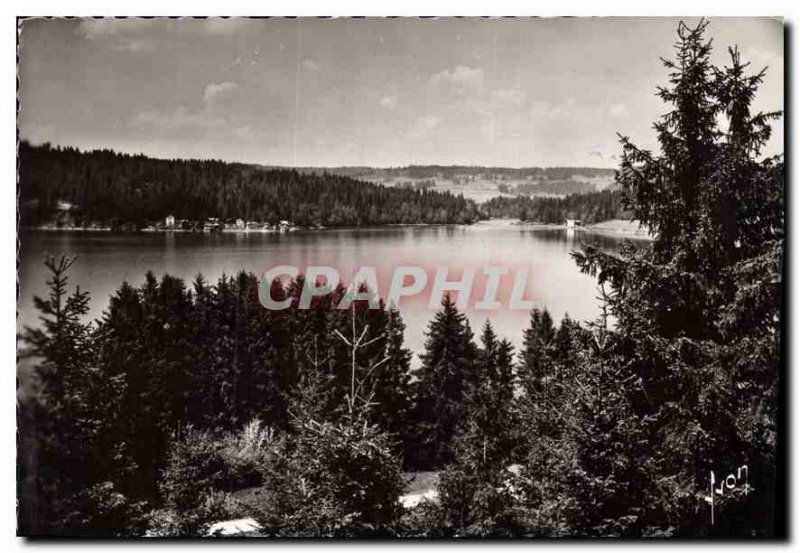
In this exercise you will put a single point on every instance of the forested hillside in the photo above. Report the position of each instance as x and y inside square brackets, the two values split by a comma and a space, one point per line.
[481, 183]
[105, 187]
[452, 172]
[589, 208]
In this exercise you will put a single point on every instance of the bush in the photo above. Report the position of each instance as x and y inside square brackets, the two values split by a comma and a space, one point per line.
[333, 480]
[472, 505]
[423, 521]
[245, 454]
[213, 506]
[202, 469]
[108, 512]
[195, 465]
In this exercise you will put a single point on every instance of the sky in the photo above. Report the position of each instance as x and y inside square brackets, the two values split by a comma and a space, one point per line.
[512, 92]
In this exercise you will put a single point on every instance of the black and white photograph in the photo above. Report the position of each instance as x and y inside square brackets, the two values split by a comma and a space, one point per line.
[401, 278]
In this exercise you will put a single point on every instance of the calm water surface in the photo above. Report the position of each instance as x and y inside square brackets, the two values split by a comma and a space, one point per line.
[105, 260]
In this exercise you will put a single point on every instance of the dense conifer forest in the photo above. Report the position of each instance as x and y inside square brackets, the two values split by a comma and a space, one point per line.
[130, 191]
[73, 188]
[189, 403]
[593, 207]
[451, 172]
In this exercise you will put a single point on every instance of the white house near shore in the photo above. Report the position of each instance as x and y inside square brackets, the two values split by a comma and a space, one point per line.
[572, 223]
[170, 221]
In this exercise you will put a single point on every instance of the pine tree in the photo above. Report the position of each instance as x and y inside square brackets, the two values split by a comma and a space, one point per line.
[474, 496]
[610, 476]
[122, 357]
[446, 374]
[715, 206]
[57, 438]
[551, 364]
[393, 381]
[339, 475]
[536, 357]
[487, 430]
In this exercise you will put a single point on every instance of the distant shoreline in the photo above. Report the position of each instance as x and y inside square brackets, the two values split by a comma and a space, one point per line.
[51, 228]
[619, 228]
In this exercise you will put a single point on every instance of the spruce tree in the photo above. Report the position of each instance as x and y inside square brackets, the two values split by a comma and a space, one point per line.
[392, 394]
[536, 357]
[446, 374]
[60, 429]
[706, 366]
[474, 493]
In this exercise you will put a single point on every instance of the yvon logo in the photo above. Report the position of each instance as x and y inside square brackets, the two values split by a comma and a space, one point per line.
[740, 478]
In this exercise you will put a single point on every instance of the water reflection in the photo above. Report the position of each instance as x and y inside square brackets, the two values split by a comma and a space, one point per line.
[105, 260]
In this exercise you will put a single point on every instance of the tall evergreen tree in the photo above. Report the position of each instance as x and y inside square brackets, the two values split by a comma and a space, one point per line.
[487, 429]
[446, 374]
[392, 393]
[716, 208]
[59, 430]
[536, 357]
[474, 493]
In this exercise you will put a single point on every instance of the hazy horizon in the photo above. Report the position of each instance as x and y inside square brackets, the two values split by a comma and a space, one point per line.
[268, 165]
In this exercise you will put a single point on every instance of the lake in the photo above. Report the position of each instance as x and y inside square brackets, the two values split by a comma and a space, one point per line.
[104, 260]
